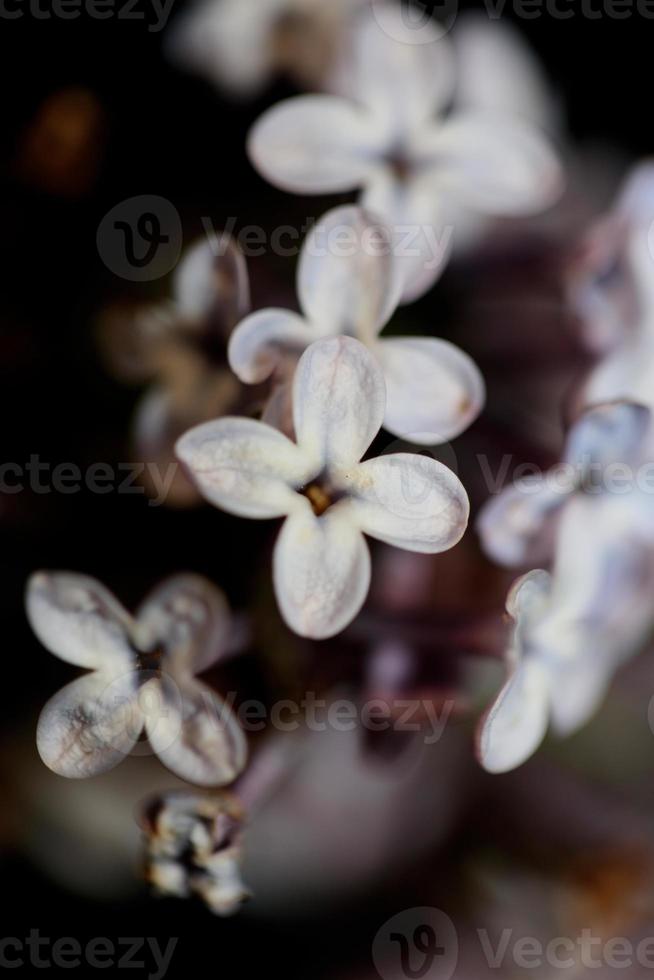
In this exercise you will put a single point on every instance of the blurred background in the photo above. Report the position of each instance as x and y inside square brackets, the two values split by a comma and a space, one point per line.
[94, 114]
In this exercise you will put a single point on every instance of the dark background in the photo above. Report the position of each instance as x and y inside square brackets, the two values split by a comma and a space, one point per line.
[169, 134]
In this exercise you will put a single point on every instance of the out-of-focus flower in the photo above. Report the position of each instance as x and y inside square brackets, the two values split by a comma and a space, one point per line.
[610, 285]
[240, 45]
[573, 629]
[321, 562]
[517, 527]
[627, 371]
[381, 134]
[180, 346]
[142, 678]
[194, 847]
[498, 72]
[347, 284]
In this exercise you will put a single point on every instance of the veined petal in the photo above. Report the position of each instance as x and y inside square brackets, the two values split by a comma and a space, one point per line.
[90, 725]
[400, 64]
[516, 526]
[422, 240]
[189, 616]
[194, 732]
[79, 621]
[213, 273]
[339, 399]
[321, 571]
[409, 501]
[244, 466]
[517, 722]
[315, 144]
[433, 390]
[263, 340]
[347, 278]
[495, 164]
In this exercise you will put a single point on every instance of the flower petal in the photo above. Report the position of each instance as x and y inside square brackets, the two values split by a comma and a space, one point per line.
[262, 342]
[226, 41]
[410, 501]
[498, 72]
[194, 732]
[495, 164]
[315, 144]
[90, 725]
[399, 64]
[190, 617]
[339, 399]
[433, 390]
[213, 274]
[321, 571]
[413, 211]
[516, 526]
[517, 722]
[79, 621]
[581, 686]
[528, 596]
[347, 278]
[244, 466]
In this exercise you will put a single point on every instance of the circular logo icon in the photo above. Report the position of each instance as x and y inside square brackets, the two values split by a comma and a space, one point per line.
[140, 239]
[415, 21]
[416, 944]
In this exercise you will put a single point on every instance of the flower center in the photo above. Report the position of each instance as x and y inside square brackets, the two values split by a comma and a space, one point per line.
[401, 166]
[318, 497]
[150, 660]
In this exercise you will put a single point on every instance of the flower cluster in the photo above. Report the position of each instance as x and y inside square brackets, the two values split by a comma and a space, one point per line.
[272, 414]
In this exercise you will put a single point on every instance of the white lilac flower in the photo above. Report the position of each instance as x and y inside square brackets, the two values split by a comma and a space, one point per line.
[573, 629]
[178, 349]
[194, 846]
[321, 565]
[142, 678]
[240, 45]
[387, 135]
[517, 526]
[610, 287]
[627, 371]
[348, 284]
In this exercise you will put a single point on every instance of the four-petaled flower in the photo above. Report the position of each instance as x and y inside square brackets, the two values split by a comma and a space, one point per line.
[142, 677]
[518, 526]
[574, 628]
[382, 134]
[348, 284]
[321, 561]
